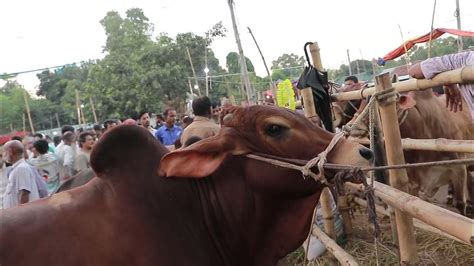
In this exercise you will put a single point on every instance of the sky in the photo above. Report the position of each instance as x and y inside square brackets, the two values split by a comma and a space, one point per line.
[38, 34]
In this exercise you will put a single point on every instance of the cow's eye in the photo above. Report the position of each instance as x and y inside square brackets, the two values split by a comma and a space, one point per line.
[275, 130]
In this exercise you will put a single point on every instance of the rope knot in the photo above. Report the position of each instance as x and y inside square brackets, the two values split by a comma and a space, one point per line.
[386, 97]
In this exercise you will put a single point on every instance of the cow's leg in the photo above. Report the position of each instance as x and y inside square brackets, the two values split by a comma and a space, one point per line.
[459, 181]
[449, 198]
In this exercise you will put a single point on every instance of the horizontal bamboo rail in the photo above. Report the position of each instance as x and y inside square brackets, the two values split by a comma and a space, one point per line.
[460, 75]
[339, 253]
[417, 223]
[449, 222]
[441, 144]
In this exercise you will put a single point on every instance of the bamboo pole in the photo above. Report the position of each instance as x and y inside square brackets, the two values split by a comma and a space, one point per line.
[78, 107]
[460, 75]
[57, 119]
[440, 144]
[194, 72]
[93, 110]
[83, 117]
[272, 86]
[398, 177]
[27, 105]
[310, 112]
[24, 122]
[451, 223]
[417, 223]
[341, 255]
[343, 206]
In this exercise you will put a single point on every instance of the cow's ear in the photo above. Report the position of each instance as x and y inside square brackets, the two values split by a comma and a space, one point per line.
[190, 163]
[406, 102]
[200, 159]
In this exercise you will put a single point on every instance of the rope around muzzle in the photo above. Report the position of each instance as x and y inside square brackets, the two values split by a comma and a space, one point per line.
[306, 169]
[383, 98]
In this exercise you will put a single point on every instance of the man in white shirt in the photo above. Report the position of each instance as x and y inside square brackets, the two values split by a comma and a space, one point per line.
[66, 156]
[21, 186]
[46, 164]
[144, 121]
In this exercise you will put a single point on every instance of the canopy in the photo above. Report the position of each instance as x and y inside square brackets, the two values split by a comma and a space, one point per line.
[425, 38]
[5, 138]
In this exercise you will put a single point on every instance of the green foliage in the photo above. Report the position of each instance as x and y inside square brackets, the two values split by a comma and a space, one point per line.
[287, 66]
[12, 109]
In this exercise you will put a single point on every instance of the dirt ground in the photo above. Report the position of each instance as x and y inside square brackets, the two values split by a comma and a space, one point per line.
[432, 249]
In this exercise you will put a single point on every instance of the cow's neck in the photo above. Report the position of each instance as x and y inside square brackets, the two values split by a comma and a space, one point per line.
[249, 228]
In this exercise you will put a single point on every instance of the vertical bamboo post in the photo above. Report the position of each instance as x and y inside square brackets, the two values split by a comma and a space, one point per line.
[310, 112]
[93, 110]
[57, 119]
[24, 122]
[27, 105]
[381, 159]
[398, 177]
[194, 72]
[78, 107]
[83, 117]
[11, 127]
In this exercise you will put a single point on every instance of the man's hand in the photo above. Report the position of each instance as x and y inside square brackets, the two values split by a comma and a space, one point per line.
[453, 98]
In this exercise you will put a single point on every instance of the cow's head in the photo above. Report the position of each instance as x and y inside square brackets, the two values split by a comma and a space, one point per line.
[261, 129]
[267, 208]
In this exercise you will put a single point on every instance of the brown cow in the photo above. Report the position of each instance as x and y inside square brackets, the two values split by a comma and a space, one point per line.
[211, 206]
[428, 118]
[422, 115]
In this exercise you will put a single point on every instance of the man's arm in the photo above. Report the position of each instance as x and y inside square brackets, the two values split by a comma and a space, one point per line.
[415, 71]
[24, 196]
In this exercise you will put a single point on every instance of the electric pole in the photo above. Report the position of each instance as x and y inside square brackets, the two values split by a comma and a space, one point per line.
[457, 14]
[243, 63]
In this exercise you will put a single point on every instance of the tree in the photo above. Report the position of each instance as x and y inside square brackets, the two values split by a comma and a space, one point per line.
[233, 63]
[287, 66]
[12, 109]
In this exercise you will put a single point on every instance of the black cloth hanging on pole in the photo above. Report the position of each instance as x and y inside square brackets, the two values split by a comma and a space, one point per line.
[318, 81]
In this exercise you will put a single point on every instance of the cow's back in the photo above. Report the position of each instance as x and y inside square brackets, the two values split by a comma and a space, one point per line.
[93, 225]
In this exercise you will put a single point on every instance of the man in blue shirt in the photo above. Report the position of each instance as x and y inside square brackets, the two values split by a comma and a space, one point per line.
[169, 132]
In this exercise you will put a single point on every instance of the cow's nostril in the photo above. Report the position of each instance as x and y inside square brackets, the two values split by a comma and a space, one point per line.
[366, 153]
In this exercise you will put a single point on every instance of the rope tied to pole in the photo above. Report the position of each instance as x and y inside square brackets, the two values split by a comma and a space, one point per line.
[383, 98]
[386, 97]
[356, 175]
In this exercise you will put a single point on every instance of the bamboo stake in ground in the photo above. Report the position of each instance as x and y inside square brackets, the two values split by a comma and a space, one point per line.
[310, 112]
[341, 255]
[445, 220]
[417, 223]
[398, 178]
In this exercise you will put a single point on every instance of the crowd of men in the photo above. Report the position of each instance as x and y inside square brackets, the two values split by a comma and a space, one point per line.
[35, 166]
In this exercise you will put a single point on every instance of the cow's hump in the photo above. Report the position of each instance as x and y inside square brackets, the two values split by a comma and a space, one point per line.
[126, 151]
